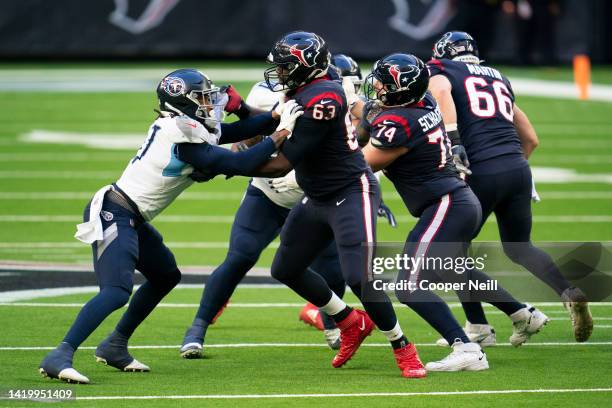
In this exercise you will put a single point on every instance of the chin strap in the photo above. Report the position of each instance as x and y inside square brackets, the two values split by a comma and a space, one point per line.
[470, 59]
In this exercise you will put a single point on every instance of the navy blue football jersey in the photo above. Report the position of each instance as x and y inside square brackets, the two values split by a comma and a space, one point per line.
[425, 172]
[323, 148]
[484, 101]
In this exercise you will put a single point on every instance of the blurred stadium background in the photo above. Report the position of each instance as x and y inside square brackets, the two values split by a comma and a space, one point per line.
[77, 84]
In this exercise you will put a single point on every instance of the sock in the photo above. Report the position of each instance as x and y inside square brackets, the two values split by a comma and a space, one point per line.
[334, 306]
[474, 312]
[396, 337]
[142, 304]
[94, 312]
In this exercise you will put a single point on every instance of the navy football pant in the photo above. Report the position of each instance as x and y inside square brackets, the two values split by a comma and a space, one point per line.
[257, 223]
[443, 231]
[507, 194]
[350, 219]
[128, 244]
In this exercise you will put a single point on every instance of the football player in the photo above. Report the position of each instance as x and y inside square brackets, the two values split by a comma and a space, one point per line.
[485, 125]
[116, 221]
[340, 202]
[258, 221]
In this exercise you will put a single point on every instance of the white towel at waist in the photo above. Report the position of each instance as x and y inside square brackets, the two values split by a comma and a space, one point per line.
[92, 230]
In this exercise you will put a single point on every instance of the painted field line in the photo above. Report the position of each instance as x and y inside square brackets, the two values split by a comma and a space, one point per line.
[249, 305]
[220, 196]
[346, 395]
[303, 345]
[81, 175]
[603, 326]
[228, 219]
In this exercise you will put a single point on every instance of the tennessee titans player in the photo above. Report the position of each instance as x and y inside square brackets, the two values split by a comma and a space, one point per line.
[116, 221]
[485, 125]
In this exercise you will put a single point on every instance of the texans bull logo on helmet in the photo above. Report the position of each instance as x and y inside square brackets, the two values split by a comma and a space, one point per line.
[173, 86]
[401, 78]
[308, 55]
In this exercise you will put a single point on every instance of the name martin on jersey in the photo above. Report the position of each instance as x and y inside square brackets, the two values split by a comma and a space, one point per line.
[482, 70]
[431, 120]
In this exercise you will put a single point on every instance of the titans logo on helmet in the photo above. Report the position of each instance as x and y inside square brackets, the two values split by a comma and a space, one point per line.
[173, 86]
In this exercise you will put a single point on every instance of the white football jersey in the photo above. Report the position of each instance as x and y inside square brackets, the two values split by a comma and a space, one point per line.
[262, 97]
[155, 176]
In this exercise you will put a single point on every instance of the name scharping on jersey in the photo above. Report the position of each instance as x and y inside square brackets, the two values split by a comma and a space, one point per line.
[431, 120]
[487, 71]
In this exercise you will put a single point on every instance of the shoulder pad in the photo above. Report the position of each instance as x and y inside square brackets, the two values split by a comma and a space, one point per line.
[192, 131]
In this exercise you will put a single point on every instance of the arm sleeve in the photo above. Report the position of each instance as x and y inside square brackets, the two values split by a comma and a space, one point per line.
[246, 128]
[307, 136]
[217, 160]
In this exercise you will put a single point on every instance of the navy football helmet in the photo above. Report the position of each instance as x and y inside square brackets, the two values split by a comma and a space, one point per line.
[348, 68]
[397, 80]
[297, 58]
[189, 92]
[457, 45]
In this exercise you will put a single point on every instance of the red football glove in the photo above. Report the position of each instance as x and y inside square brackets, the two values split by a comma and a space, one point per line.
[235, 100]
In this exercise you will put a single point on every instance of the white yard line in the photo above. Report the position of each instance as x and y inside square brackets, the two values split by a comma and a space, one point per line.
[347, 395]
[228, 219]
[305, 345]
[237, 195]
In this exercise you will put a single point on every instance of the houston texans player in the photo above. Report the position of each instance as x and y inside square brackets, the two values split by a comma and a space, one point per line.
[258, 221]
[408, 140]
[340, 202]
[116, 221]
[487, 127]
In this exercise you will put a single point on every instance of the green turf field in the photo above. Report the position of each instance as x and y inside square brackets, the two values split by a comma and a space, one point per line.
[44, 187]
[296, 361]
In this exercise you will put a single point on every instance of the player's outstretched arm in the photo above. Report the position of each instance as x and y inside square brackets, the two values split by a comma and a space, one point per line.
[215, 160]
[248, 128]
[526, 131]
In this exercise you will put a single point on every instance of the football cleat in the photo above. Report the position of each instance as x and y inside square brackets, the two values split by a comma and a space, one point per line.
[575, 302]
[58, 364]
[113, 352]
[464, 357]
[525, 323]
[193, 343]
[353, 331]
[409, 362]
[483, 334]
[332, 337]
[311, 315]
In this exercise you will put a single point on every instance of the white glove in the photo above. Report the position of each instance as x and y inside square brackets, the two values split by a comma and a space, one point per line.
[535, 197]
[291, 111]
[349, 91]
[284, 184]
[280, 106]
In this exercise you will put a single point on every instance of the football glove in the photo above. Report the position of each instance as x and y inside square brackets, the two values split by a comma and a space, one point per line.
[234, 99]
[291, 110]
[349, 91]
[384, 211]
[535, 197]
[284, 184]
[460, 159]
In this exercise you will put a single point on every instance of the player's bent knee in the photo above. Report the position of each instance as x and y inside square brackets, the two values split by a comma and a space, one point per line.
[115, 295]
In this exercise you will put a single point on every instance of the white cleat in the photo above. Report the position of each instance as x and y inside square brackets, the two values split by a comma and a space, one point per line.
[525, 323]
[332, 337]
[191, 350]
[575, 302]
[70, 375]
[464, 357]
[134, 366]
[483, 334]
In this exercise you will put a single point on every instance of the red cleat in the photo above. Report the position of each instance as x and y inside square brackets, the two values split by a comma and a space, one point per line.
[409, 362]
[219, 313]
[353, 331]
[311, 316]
